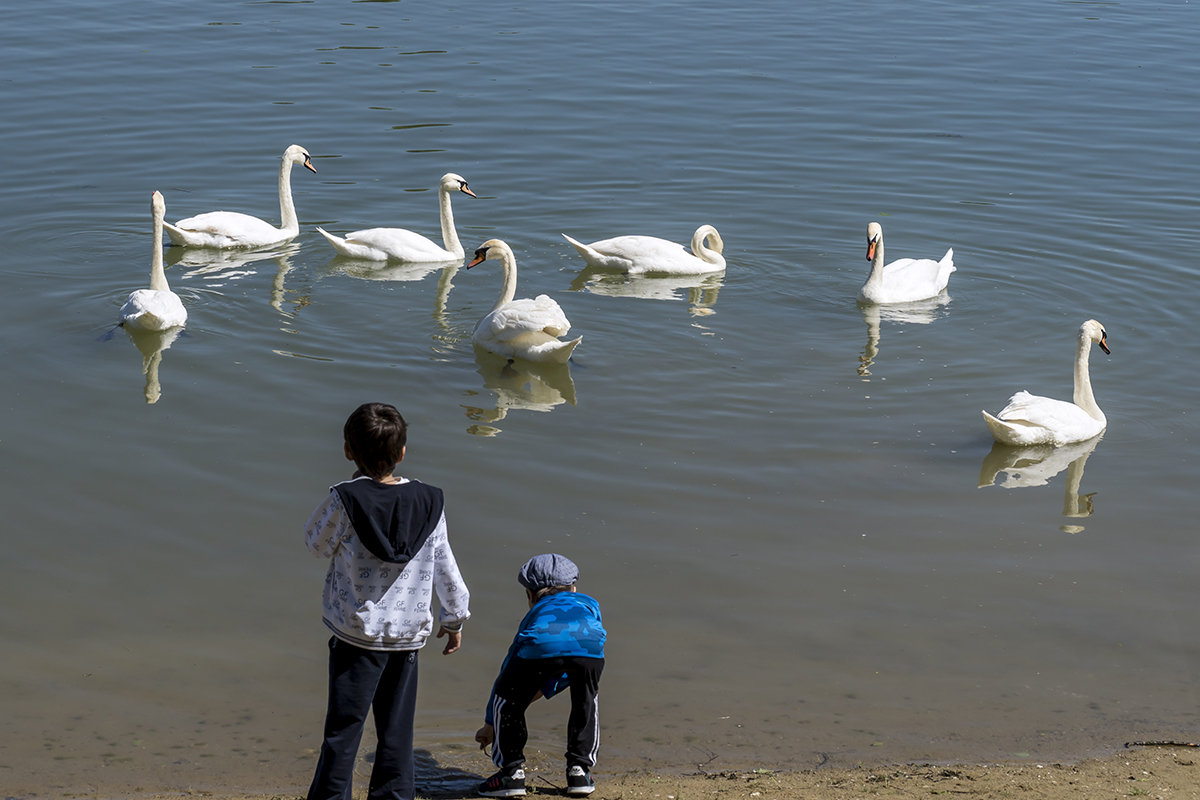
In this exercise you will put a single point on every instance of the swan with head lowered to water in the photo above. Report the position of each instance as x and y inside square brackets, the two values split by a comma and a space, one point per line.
[399, 244]
[636, 254]
[904, 280]
[525, 328]
[1030, 419]
[221, 229]
[156, 308]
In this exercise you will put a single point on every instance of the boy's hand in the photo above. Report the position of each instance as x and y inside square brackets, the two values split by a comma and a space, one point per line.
[485, 736]
[453, 640]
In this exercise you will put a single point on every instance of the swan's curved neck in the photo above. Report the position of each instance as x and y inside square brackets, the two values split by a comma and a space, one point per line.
[158, 275]
[700, 247]
[287, 209]
[1083, 381]
[876, 275]
[449, 234]
[508, 285]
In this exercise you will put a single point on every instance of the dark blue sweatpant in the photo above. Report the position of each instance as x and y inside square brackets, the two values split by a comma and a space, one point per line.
[384, 683]
[518, 685]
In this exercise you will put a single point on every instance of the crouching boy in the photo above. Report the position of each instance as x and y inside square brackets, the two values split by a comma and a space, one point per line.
[559, 644]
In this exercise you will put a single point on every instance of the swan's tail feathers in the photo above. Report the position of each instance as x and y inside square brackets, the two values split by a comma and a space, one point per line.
[997, 427]
[595, 258]
[944, 268]
[562, 355]
[346, 247]
[176, 234]
[1017, 433]
[583, 249]
[554, 351]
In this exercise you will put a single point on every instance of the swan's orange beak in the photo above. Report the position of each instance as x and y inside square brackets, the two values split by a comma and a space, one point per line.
[308, 165]
[466, 190]
[871, 244]
[1104, 344]
[480, 256]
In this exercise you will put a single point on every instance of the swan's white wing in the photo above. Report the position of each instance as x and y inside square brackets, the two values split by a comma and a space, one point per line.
[522, 317]
[651, 254]
[153, 310]
[909, 279]
[400, 244]
[642, 254]
[1033, 419]
[224, 229]
[640, 247]
[527, 329]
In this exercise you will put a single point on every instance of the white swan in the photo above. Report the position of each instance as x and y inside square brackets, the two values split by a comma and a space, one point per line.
[651, 254]
[904, 280]
[527, 329]
[398, 244]
[156, 308]
[233, 229]
[1030, 419]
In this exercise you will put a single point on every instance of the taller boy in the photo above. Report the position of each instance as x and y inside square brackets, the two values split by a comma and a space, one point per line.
[386, 540]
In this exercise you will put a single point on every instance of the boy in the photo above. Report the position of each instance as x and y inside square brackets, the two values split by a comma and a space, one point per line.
[386, 540]
[559, 643]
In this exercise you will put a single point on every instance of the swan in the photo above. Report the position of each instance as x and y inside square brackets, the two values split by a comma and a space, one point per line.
[398, 244]
[1030, 419]
[904, 280]
[651, 254]
[525, 328]
[232, 229]
[156, 308]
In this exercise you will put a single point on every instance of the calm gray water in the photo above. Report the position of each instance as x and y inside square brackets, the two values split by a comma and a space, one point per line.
[775, 494]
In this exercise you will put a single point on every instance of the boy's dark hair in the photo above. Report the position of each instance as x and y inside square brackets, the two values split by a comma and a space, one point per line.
[376, 435]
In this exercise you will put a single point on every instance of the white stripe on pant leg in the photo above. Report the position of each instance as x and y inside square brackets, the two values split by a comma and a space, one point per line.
[497, 705]
[595, 729]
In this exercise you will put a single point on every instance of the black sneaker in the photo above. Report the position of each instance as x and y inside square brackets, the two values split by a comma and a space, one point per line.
[504, 784]
[579, 782]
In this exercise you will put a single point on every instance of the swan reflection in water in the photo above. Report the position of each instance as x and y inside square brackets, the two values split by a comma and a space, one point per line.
[152, 344]
[518, 385]
[405, 272]
[700, 291]
[219, 267]
[922, 312]
[1023, 467]
[387, 270]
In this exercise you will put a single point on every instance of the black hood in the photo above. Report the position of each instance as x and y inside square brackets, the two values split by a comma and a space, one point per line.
[392, 520]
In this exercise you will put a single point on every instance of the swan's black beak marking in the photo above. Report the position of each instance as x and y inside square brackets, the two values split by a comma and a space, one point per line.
[1104, 343]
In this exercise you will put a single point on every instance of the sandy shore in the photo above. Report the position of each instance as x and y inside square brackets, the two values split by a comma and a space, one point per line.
[1158, 773]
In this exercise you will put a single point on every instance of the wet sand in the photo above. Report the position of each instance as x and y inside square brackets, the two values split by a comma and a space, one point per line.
[1166, 773]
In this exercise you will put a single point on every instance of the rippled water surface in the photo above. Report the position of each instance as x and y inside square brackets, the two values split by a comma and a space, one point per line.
[806, 547]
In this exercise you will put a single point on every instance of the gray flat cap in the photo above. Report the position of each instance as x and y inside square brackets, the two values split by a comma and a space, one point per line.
[548, 569]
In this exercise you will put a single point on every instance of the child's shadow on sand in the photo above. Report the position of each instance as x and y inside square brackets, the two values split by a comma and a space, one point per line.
[435, 780]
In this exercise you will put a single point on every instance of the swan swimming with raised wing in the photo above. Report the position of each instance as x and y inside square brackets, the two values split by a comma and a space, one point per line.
[904, 280]
[399, 244]
[222, 229]
[1031, 419]
[525, 328]
[156, 308]
[651, 254]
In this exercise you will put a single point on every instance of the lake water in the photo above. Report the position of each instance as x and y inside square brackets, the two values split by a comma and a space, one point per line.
[806, 549]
